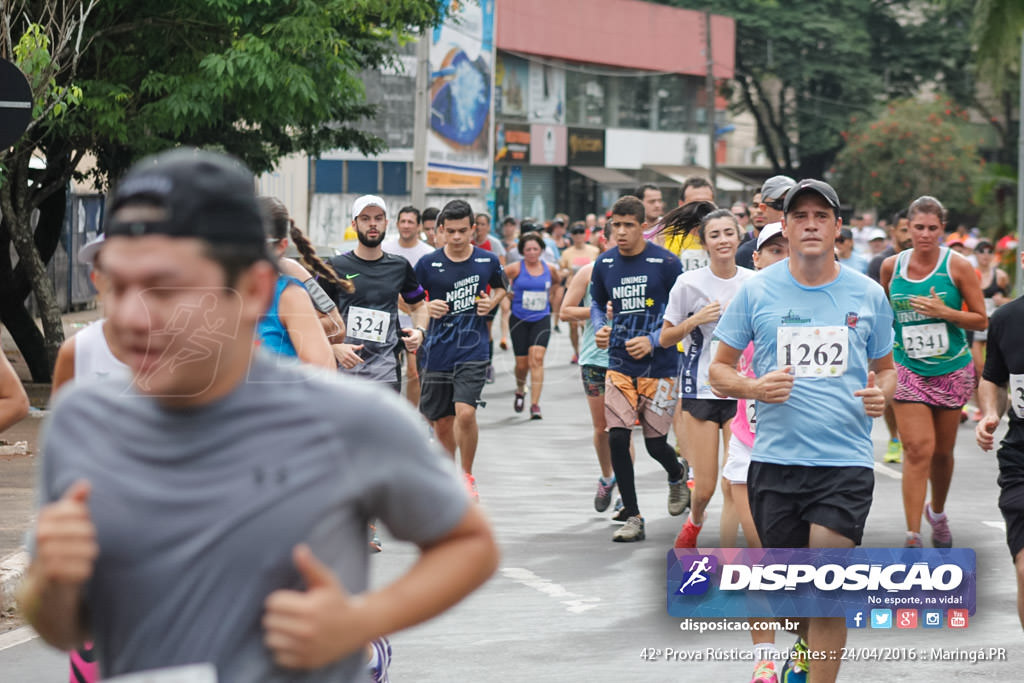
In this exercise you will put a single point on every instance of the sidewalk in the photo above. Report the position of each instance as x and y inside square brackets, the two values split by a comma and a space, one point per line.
[18, 472]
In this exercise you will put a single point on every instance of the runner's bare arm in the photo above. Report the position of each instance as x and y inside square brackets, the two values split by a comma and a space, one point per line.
[993, 401]
[673, 334]
[571, 310]
[725, 379]
[13, 399]
[304, 329]
[64, 368]
[309, 629]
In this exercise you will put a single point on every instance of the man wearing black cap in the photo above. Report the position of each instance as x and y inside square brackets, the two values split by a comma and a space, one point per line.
[768, 210]
[211, 515]
[822, 336]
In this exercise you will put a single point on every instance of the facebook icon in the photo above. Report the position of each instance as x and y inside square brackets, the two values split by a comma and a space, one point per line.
[855, 619]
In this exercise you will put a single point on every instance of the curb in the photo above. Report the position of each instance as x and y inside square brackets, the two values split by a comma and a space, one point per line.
[12, 569]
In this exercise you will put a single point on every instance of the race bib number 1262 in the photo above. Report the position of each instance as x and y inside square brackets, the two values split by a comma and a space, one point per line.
[813, 351]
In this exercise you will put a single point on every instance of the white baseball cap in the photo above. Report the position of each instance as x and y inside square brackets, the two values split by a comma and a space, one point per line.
[876, 234]
[87, 254]
[767, 232]
[367, 200]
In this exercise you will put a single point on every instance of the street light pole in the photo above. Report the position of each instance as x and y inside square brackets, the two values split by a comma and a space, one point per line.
[1020, 171]
[710, 84]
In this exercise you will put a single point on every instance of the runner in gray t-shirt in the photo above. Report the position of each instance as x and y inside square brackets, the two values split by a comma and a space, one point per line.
[215, 512]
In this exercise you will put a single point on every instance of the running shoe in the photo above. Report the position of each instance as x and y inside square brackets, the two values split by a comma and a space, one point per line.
[556, 328]
[678, 497]
[687, 537]
[620, 512]
[942, 537]
[603, 497]
[796, 667]
[632, 530]
[535, 412]
[894, 451]
[381, 661]
[489, 377]
[519, 402]
[503, 344]
[471, 486]
[913, 540]
[764, 672]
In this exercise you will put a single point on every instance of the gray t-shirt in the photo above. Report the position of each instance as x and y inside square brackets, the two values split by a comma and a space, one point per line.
[197, 512]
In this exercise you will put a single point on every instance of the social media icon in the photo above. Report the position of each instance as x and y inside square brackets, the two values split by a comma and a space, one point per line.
[906, 618]
[856, 619]
[957, 618]
[932, 618]
[881, 618]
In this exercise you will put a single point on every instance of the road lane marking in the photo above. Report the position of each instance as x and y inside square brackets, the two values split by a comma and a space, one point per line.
[576, 604]
[18, 636]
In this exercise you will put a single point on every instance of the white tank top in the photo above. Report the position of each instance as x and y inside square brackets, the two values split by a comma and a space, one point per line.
[93, 358]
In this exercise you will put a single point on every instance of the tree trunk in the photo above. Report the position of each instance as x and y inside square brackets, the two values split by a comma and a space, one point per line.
[18, 213]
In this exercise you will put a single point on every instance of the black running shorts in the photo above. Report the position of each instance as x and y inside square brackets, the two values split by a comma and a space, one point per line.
[710, 409]
[440, 391]
[525, 334]
[786, 499]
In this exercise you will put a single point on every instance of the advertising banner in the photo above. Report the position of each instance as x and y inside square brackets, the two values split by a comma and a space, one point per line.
[547, 94]
[511, 80]
[822, 582]
[511, 142]
[461, 68]
[548, 145]
[586, 147]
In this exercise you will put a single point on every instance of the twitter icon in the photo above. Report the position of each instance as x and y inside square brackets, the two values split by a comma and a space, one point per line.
[881, 618]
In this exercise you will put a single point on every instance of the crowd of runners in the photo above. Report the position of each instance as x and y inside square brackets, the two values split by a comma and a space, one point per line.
[731, 327]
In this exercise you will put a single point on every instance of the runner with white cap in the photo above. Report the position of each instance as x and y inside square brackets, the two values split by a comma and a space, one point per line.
[372, 333]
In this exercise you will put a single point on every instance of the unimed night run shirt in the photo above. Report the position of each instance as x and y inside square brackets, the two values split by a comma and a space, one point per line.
[638, 287]
[461, 335]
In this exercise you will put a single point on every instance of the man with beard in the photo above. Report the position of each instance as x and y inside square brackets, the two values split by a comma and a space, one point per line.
[372, 332]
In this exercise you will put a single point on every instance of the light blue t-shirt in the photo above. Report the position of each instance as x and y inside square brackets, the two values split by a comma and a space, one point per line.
[840, 327]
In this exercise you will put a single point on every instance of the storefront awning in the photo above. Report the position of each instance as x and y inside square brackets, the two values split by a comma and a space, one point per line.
[727, 182]
[605, 176]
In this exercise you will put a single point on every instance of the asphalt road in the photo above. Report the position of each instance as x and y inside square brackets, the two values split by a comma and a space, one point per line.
[567, 604]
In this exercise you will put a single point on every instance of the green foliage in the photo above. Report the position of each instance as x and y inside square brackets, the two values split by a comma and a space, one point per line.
[997, 32]
[260, 79]
[914, 148]
[804, 66]
[32, 56]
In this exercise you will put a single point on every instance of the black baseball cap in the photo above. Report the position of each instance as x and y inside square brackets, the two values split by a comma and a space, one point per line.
[203, 194]
[819, 187]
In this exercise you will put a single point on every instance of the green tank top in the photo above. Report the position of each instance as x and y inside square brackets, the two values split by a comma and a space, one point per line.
[927, 346]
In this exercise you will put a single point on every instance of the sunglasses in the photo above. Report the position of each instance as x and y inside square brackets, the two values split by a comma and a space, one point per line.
[840, 240]
[776, 204]
[740, 215]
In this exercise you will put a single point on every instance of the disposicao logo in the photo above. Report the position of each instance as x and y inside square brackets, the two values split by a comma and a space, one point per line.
[835, 582]
[698, 576]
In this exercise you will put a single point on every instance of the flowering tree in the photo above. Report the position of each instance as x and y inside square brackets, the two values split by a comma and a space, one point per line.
[913, 148]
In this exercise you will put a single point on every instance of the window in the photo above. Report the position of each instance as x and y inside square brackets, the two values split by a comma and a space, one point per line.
[329, 176]
[394, 177]
[362, 177]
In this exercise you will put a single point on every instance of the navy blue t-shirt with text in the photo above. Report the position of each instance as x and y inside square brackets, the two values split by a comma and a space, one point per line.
[638, 287]
[461, 335]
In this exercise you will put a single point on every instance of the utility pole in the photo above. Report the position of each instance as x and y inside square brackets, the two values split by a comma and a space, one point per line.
[422, 122]
[710, 83]
[1020, 171]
